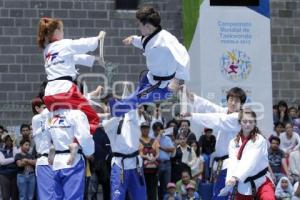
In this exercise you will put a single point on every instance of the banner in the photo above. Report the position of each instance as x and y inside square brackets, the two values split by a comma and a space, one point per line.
[231, 47]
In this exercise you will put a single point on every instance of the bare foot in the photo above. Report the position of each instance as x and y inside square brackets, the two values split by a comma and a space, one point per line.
[96, 93]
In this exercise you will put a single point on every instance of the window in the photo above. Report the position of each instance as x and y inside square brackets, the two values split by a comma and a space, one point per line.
[127, 4]
[234, 2]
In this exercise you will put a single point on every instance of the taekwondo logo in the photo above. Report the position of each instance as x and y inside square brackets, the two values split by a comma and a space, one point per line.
[51, 56]
[235, 65]
[57, 121]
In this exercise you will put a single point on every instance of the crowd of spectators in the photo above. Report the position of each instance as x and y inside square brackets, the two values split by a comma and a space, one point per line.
[176, 161]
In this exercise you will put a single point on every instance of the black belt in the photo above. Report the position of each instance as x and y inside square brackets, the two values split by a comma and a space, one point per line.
[164, 78]
[40, 155]
[222, 158]
[67, 151]
[251, 179]
[132, 155]
[155, 86]
[219, 160]
[68, 78]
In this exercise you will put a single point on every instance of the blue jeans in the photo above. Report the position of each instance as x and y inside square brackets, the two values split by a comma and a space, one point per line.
[206, 166]
[26, 186]
[164, 177]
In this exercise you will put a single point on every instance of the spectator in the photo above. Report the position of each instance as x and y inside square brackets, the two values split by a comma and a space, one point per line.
[149, 151]
[25, 177]
[198, 168]
[184, 128]
[173, 123]
[290, 140]
[166, 148]
[293, 113]
[184, 158]
[296, 125]
[294, 165]
[100, 165]
[284, 189]
[191, 193]
[181, 185]
[157, 115]
[278, 129]
[277, 160]
[26, 134]
[143, 115]
[172, 194]
[207, 143]
[8, 169]
[283, 115]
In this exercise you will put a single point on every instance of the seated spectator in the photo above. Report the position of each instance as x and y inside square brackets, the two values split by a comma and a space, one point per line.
[293, 113]
[283, 115]
[296, 125]
[25, 177]
[8, 169]
[294, 165]
[198, 168]
[181, 185]
[172, 194]
[149, 151]
[184, 158]
[191, 193]
[284, 189]
[290, 140]
[207, 143]
[278, 129]
[277, 160]
[184, 128]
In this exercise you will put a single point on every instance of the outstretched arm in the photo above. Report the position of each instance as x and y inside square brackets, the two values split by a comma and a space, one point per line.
[84, 45]
[216, 121]
[84, 59]
[134, 40]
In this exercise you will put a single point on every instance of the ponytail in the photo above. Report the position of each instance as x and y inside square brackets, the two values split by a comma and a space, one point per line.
[46, 29]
